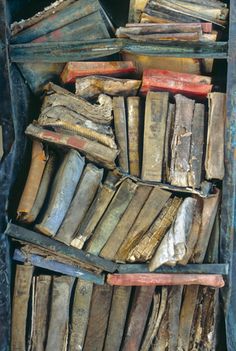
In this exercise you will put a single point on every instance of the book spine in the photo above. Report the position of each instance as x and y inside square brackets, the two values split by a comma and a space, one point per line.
[23, 279]
[138, 317]
[176, 76]
[37, 166]
[62, 192]
[117, 317]
[168, 138]
[98, 318]
[116, 209]
[174, 301]
[83, 197]
[154, 135]
[214, 161]
[59, 313]
[80, 314]
[120, 123]
[124, 225]
[41, 312]
[134, 140]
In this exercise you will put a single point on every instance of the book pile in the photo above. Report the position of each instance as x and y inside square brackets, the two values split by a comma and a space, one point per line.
[60, 313]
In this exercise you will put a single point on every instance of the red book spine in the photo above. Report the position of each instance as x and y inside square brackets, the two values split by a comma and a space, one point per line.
[150, 74]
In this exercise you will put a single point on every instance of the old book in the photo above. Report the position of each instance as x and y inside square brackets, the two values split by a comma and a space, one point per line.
[156, 111]
[182, 83]
[135, 9]
[37, 166]
[120, 123]
[181, 141]
[174, 301]
[214, 160]
[157, 37]
[196, 148]
[59, 313]
[151, 209]
[80, 314]
[20, 302]
[125, 223]
[62, 192]
[138, 316]
[168, 139]
[110, 219]
[173, 246]
[146, 247]
[92, 86]
[83, 197]
[93, 150]
[73, 70]
[134, 137]
[160, 342]
[171, 27]
[98, 318]
[41, 312]
[117, 317]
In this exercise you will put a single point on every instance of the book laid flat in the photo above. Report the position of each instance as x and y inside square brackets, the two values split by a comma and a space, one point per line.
[73, 70]
[134, 134]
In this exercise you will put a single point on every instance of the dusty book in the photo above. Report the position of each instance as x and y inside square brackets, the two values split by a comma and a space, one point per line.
[73, 70]
[120, 123]
[134, 135]
[136, 8]
[156, 111]
[168, 139]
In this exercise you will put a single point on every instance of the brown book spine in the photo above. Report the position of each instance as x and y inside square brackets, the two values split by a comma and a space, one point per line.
[38, 163]
[23, 279]
[134, 140]
[168, 138]
[98, 318]
[138, 317]
[121, 132]
[154, 135]
[174, 301]
[127, 220]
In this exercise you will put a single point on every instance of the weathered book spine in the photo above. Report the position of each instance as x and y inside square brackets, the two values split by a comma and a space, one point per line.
[157, 37]
[41, 312]
[154, 135]
[44, 186]
[127, 220]
[159, 279]
[93, 150]
[120, 123]
[214, 161]
[117, 317]
[167, 27]
[59, 313]
[83, 197]
[168, 138]
[98, 318]
[74, 70]
[103, 198]
[80, 314]
[92, 86]
[37, 166]
[134, 140]
[181, 142]
[160, 343]
[151, 209]
[145, 249]
[117, 207]
[21, 297]
[176, 76]
[174, 301]
[136, 8]
[67, 15]
[138, 317]
[63, 189]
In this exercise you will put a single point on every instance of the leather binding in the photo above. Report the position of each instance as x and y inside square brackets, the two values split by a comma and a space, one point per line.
[23, 279]
[134, 140]
[168, 139]
[115, 210]
[41, 312]
[92, 86]
[151, 209]
[103, 198]
[156, 111]
[120, 122]
[181, 142]
[98, 318]
[125, 223]
[83, 197]
[62, 192]
[37, 166]
[59, 313]
[138, 317]
[214, 160]
[80, 314]
[117, 317]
